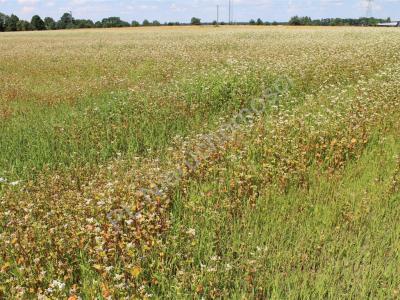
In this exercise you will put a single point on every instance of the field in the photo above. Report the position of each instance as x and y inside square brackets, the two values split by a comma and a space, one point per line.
[200, 162]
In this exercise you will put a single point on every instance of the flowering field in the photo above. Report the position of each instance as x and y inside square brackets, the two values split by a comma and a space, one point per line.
[229, 162]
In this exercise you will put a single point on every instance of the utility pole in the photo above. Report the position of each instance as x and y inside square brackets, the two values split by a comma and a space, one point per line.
[230, 11]
[370, 5]
[217, 15]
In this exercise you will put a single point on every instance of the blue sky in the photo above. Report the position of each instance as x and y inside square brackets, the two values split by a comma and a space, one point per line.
[183, 10]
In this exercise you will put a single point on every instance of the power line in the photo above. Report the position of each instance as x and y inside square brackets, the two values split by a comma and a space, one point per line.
[370, 4]
[230, 11]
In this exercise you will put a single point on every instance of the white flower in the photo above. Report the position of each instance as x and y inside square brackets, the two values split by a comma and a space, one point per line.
[3, 180]
[191, 231]
[57, 284]
[14, 183]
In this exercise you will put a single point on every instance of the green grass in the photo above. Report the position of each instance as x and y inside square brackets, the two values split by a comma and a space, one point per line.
[96, 129]
[336, 240]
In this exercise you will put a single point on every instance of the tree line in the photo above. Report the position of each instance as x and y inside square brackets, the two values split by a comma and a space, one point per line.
[307, 21]
[13, 23]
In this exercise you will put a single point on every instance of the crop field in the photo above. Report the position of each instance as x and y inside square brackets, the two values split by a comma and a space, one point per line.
[200, 162]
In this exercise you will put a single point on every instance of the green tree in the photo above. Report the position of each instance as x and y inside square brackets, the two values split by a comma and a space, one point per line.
[135, 24]
[11, 23]
[3, 18]
[49, 23]
[156, 23]
[252, 22]
[37, 23]
[195, 21]
[295, 21]
[82, 23]
[23, 25]
[114, 22]
[66, 21]
[146, 23]
[260, 22]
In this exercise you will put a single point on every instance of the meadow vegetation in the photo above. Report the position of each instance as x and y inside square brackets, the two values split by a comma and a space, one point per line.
[299, 202]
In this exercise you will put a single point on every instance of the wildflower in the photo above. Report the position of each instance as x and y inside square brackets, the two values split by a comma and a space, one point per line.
[191, 232]
[57, 284]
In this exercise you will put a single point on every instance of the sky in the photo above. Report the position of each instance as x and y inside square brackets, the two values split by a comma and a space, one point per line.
[184, 10]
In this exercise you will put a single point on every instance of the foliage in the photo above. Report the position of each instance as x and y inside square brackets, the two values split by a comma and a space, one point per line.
[49, 23]
[3, 18]
[300, 21]
[66, 21]
[11, 23]
[336, 21]
[135, 24]
[23, 25]
[113, 22]
[195, 21]
[37, 23]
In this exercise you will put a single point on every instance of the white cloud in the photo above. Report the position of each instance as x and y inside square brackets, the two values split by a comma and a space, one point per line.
[27, 9]
[27, 2]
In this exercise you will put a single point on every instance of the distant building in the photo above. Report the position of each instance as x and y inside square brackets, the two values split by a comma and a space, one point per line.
[391, 24]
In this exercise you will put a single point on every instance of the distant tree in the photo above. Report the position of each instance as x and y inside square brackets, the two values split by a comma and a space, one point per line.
[11, 23]
[267, 23]
[83, 23]
[215, 23]
[135, 24]
[146, 23]
[274, 23]
[260, 22]
[3, 19]
[98, 24]
[295, 21]
[114, 22]
[195, 21]
[37, 23]
[156, 23]
[49, 23]
[306, 21]
[23, 25]
[66, 21]
[252, 22]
